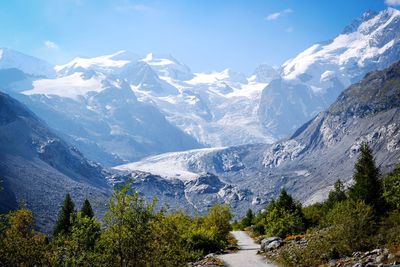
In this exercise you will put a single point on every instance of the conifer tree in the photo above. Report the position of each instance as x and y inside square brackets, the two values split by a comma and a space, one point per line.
[336, 195]
[65, 217]
[86, 209]
[248, 219]
[367, 186]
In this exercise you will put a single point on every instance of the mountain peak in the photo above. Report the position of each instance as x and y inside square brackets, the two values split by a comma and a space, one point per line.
[373, 16]
[10, 58]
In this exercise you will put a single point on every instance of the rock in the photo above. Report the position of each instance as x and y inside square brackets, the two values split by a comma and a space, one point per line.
[391, 256]
[274, 245]
[357, 254]
[376, 251]
[332, 263]
[358, 264]
[259, 239]
[380, 258]
[267, 241]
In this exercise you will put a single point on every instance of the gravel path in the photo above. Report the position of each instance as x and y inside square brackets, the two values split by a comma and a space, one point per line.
[247, 255]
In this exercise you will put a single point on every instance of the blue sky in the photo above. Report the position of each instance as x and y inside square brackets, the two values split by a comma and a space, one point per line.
[204, 34]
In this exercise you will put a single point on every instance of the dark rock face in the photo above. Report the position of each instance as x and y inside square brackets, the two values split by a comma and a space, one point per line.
[38, 168]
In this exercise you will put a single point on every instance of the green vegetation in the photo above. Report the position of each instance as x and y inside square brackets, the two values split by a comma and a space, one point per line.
[86, 209]
[363, 217]
[65, 217]
[133, 233]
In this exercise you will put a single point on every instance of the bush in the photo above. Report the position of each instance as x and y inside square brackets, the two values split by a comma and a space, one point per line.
[315, 214]
[204, 241]
[218, 219]
[389, 230]
[283, 216]
[350, 226]
[391, 188]
[21, 244]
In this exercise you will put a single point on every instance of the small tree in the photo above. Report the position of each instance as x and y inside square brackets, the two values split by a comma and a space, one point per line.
[65, 217]
[336, 195]
[367, 186]
[78, 248]
[219, 217]
[20, 244]
[86, 209]
[391, 188]
[127, 239]
[248, 220]
[284, 216]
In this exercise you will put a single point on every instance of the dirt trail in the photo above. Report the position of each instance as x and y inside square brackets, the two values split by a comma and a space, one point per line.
[247, 255]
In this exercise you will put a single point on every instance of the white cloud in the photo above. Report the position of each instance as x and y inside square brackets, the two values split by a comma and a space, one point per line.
[276, 15]
[392, 2]
[50, 44]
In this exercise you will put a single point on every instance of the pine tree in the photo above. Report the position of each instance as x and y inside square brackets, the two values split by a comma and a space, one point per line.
[338, 194]
[367, 186]
[286, 202]
[248, 219]
[86, 209]
[65, 217]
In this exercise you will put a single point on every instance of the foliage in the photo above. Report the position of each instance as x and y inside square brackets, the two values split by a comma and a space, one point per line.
[389, 230]
[350, 225]
[391, 188]
[338, 194]
[248, 220]
[315, 213]
[169, 246]
[367, 186]
[65, 217]
[126, 240]
[218, 219]
[78, 248]
[283, 216]
[20, 244]
[86, 209]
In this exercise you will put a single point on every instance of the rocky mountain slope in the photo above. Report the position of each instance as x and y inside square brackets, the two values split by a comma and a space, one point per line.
[37, 167]
[313, 79]
[101, 116]
[307, 164]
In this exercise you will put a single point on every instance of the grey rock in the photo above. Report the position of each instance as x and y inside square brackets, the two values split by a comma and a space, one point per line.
[380, 258]
[271, 243]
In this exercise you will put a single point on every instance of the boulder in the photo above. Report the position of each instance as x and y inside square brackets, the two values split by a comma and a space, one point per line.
[271, 243]
[274, 245]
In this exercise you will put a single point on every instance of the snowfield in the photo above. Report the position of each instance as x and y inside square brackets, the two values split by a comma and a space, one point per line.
[174, 165]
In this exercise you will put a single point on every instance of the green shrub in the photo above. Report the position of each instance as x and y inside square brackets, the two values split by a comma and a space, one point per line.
[314, 214]
[389, 230]
[351, 225]
[391, 188]
[204, 240]
[283, 216]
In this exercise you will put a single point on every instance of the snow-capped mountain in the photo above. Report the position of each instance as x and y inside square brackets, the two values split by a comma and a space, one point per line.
[98, 113]
[312, 80]
[168, 66]
[307, 164]
[216, 108]
[86, 97]
[30, 65]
